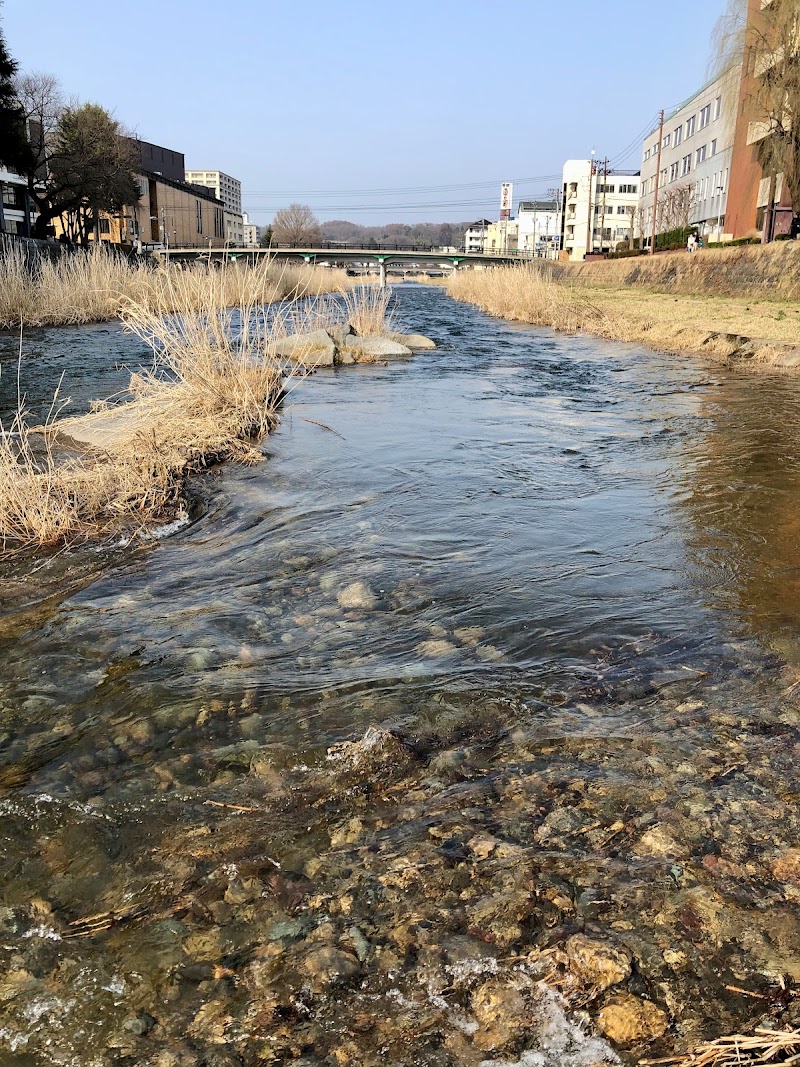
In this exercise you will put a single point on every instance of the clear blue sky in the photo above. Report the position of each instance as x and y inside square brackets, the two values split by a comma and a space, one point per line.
[319, 101]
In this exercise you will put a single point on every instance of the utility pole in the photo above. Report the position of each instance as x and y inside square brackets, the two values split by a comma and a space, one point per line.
[589, 222]
[658, 179]
[603, 216]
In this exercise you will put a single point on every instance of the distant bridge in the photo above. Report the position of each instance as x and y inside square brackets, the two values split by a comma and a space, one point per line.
[332, 254]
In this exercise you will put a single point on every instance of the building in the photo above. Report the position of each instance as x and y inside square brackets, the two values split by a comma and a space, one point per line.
[599, 208]
[501, 236]
[694, 163]
[475, 235]
[537, 222]
[759, 200]
[16, 217]
[226, 188]
[249, 232]
[169, 213]
[229, 191]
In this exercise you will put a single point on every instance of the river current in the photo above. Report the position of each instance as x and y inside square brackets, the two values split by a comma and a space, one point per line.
[496, 647]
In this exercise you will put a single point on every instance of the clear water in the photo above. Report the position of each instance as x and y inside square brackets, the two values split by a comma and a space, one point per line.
[562, 573]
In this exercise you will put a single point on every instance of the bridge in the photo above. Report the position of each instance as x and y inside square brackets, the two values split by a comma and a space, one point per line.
[339, 255]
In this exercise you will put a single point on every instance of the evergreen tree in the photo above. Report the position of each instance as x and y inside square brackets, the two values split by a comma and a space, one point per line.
[14, 149]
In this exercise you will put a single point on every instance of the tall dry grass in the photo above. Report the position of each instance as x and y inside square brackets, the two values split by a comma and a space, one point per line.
[528, 292]
[367, 309]
[93, 286]
[213, 391]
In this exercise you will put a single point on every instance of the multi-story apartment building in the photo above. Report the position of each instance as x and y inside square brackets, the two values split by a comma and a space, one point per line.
[599, 208]
[537, 222]
[475, 235]
[226, 188]
[229, 191]
[694, 163]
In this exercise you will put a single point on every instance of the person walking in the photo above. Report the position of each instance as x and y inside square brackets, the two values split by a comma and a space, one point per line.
[691, 244]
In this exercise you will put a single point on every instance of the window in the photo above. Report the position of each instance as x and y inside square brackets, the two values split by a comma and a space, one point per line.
[621, 209]
[105, 226]
[678, 136]
[14, 196]
[690, 124]
[198, 210]
[673, 172]
[605, 188]
[627, 189]
[667, 139]
[663, 178]
[700, 155]
[647, 153]
[686, 165]
[705, 116]
[718, 107]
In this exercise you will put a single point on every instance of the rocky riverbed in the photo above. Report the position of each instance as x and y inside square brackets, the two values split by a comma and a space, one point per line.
[464, 734]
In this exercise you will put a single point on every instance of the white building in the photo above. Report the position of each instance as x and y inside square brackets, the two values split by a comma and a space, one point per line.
[475, 236]
[609, 198]
[249, 232]
[15, 214]
[694, 168]
[226, 188]
[538, 228]
[229, 191]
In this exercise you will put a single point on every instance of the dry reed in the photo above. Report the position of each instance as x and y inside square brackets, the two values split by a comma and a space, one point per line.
[367, 310]
[527, 293]
[742, 1050]
[92, 286]
[212, 393]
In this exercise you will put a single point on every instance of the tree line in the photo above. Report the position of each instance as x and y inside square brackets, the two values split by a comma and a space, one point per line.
[298, 225]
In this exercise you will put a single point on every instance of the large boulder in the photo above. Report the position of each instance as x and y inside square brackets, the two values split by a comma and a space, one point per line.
[415, 341]
[370, 349]
[312, 349]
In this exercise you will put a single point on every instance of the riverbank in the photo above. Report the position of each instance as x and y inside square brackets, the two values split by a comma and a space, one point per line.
[734, 330]
[93, 287]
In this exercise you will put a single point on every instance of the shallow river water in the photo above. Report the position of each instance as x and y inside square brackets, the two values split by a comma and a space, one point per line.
[496, 649]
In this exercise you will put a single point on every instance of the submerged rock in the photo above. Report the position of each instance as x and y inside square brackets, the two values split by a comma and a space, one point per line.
[414, 341]
[627, 1020]
[597, 963]
[368, 349]
[357, 595]
[327, 966]
[312, 349]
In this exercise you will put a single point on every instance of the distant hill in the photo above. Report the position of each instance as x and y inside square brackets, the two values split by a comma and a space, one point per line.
[395, 233]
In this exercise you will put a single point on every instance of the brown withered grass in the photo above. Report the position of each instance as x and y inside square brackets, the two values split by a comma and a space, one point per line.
[367, 309]
[714, 326]
[93, 286]
[212, 393]
[527, 292]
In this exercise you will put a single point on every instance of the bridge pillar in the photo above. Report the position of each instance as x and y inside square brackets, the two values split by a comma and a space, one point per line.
[382, 269]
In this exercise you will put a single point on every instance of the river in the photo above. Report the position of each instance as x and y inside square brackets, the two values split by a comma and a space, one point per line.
[497, 646]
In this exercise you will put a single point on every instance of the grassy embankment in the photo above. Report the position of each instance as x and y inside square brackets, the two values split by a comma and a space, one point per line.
[738, 304]
[213, 392]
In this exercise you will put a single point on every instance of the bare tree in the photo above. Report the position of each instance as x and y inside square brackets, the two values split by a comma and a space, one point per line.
[675, 207]
[295, 225]
[81, 163]
[766, 42]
